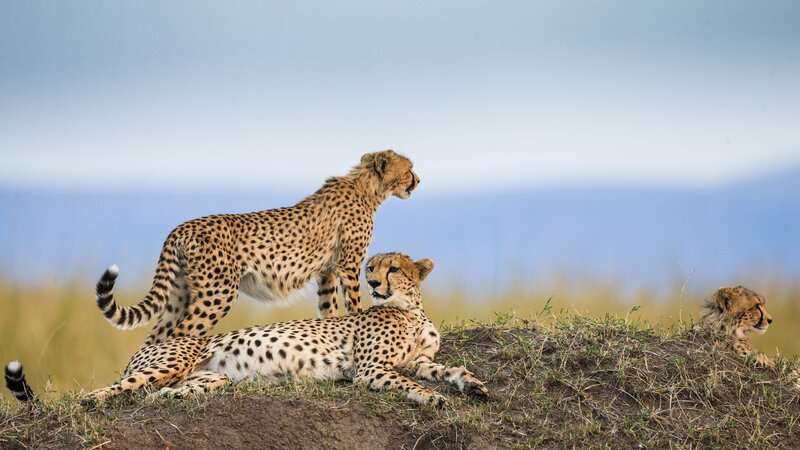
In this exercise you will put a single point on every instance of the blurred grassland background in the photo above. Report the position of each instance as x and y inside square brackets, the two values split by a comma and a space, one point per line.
[639, 148]
[66, 345]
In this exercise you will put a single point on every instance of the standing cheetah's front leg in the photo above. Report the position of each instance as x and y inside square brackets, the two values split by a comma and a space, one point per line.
[354, 240]
[349, 273]
[326, 284]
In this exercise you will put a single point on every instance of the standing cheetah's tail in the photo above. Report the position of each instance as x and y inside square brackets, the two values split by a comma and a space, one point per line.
[15, 382]
[127, 317]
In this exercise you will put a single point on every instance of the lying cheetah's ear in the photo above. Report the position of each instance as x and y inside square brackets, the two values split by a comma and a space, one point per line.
[424, 266]
[723, 298]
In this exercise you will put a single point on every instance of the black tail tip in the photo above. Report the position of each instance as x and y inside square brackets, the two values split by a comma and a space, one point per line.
[106, 282]
[15, 382]
[111, 273]
[14, 370]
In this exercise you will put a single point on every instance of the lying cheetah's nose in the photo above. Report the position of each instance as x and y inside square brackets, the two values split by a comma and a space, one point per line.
[769, 320]
[374, 283]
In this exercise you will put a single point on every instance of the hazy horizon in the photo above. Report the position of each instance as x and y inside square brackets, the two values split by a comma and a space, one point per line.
[484, 241]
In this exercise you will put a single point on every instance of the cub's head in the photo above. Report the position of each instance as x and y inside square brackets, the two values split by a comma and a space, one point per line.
[737, 310]
[394, 172]
[394, 279]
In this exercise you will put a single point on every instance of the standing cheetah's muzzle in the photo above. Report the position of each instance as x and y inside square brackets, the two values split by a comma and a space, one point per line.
[413, 185]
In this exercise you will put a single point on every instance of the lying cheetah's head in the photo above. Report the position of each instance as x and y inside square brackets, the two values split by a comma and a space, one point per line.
[394, 172]
[394, 279]
[737, 310]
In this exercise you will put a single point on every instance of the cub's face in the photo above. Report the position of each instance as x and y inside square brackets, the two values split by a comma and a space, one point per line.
[395, 172]
[394, 279]
[743, 308]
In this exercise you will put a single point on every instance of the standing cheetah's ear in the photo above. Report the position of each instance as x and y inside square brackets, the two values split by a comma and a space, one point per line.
[379, 160]
[424, 266]
[723, 298]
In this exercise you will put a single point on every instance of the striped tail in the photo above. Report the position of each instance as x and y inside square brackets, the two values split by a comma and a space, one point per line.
[128, 317]
[15, 382]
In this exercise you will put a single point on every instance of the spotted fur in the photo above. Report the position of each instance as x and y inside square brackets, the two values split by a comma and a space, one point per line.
[383, 347]
[205, 262]
[736, 311]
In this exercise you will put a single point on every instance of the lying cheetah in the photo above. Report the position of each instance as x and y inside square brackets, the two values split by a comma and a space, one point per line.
[269, 254]
[735, 311]
[371, 348]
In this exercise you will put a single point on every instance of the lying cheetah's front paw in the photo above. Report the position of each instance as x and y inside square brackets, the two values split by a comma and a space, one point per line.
[476, 389]
[473, 386]
[437, 400]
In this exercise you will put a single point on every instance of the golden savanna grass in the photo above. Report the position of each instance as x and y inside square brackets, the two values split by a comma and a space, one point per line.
[65, 344]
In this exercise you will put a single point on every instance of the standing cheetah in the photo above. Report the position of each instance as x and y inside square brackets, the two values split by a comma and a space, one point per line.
[380, 348]
[269, 254]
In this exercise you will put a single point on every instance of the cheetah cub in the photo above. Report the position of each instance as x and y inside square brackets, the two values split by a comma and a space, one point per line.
[383, 347]
[736, 311]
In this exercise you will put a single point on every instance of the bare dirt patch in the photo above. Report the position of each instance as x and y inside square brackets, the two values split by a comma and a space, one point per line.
[259, 422]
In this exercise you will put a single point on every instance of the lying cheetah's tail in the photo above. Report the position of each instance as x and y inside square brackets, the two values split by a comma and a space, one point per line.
[127, 317]
[15, 382]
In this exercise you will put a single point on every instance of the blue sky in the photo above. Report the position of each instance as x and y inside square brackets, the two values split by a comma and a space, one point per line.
[132, 95]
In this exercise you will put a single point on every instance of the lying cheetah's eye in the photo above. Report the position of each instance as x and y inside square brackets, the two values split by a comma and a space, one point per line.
[393, 269]
[369, 269]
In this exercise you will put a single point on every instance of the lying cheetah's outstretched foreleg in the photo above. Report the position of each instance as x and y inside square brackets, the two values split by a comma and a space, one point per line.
[378, 378]
[460, 377]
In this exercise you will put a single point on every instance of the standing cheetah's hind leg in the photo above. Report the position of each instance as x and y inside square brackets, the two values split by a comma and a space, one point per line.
[174, 309]
[212, 290]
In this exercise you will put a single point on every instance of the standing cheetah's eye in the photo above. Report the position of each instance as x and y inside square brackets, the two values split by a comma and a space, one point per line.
[369, 269]
[393, 269]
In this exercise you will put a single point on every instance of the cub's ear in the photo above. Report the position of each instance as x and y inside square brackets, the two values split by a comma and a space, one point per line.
[723, 296]
[424, 266]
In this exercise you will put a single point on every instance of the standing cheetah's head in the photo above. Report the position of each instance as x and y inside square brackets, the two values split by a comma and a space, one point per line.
[737, 310]
[394, 279]
[394, 172]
